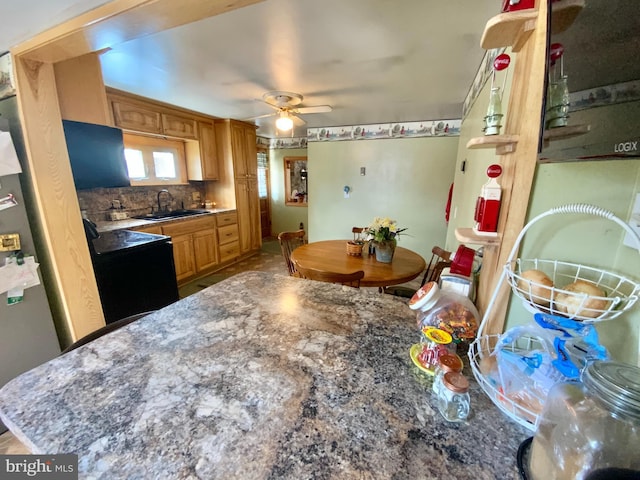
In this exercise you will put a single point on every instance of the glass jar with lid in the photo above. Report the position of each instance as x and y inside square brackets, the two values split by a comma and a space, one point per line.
[448, 362]
[453, 398]
[590, 430]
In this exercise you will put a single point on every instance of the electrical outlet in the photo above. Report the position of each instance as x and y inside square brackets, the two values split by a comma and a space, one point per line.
[634, 223]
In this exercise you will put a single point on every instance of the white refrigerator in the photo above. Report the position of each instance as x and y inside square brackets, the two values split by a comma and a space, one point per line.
[27, 333]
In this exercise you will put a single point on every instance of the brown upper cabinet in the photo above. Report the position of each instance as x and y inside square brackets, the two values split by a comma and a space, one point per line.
[141, 115]
[129, 116]
[179, 126]
[202, 156]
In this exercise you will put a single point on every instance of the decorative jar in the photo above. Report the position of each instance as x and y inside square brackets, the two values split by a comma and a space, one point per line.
[448, 362]
[453, 398]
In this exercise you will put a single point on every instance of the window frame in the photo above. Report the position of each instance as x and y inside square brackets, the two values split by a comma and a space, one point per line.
[149, 144]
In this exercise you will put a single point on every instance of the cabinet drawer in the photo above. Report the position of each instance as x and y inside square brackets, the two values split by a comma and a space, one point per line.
[229, 251]
[228, 233]
[227, 218]
[189, 226]
[136, 117]
[178, 126]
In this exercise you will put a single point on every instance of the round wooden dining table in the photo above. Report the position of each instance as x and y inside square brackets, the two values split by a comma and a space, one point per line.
[331, 256]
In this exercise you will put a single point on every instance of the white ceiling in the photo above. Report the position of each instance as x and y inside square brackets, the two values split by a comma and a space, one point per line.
[373, 61]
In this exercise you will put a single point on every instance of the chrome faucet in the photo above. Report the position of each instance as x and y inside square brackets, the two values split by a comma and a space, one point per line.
[166, 205]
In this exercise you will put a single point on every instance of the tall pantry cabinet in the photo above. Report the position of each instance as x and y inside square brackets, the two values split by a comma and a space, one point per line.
[236, 143]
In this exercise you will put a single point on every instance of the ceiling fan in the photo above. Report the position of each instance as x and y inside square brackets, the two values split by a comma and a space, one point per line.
[287, 109]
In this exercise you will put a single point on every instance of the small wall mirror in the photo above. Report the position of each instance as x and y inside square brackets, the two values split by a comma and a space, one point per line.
[295, 181]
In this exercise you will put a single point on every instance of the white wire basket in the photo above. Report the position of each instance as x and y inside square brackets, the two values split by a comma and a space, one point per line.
[480, 354]
[619, 294]
[614, 294]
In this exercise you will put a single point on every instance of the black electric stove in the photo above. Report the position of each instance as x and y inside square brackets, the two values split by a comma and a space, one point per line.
[135, 272]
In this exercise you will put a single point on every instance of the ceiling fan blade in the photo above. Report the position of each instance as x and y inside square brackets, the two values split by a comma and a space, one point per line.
[316, 109]
[297, 121]
[263, 116]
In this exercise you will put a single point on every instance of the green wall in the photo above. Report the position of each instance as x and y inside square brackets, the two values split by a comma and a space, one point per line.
[587, 240]
[467, 183]
[284, 218]
[406, 179]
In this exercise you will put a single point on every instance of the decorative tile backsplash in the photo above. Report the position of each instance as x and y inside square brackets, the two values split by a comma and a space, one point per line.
[97, 202]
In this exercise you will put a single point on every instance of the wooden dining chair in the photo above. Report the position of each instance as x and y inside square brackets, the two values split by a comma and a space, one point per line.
[440, 259]
[289, 241]
[357, 233]
[108, 328]
[349, 279]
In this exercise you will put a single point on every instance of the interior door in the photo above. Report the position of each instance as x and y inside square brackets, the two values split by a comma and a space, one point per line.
[264, 190]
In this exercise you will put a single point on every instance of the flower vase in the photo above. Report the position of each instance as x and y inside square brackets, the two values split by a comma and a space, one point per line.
[384, 250]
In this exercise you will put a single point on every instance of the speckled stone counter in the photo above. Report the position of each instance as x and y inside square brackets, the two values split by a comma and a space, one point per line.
[259, 376]
[109, 226]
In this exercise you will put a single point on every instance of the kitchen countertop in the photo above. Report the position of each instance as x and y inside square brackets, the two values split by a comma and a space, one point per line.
[259, 376]
[107, 226]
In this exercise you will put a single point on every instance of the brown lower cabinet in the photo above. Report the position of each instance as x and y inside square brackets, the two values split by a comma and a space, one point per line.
[202, 244]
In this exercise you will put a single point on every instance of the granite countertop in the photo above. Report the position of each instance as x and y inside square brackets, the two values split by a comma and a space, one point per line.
[108, 226]
[259, 376]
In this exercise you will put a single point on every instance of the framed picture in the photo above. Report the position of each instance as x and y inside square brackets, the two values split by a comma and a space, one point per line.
[7, 83]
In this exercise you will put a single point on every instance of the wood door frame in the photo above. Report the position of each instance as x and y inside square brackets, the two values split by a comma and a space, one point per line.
[57, 211]
[264, 149]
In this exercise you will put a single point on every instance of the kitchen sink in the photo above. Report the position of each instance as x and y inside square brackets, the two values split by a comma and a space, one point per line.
[173, 214]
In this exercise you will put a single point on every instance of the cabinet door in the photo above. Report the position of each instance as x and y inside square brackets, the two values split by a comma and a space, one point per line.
[135, 117]
[177, 126]
[208, 154]
[205, 249]
[239, 149]
[251, 158]
[243, 207]
[183, 256]
[247, 206]
[254, 202]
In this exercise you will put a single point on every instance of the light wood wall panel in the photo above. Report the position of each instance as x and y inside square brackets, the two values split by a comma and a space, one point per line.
[81, 90]
[523, 119]
[59, 212]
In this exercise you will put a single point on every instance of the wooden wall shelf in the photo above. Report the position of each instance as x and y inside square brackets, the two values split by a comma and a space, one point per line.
[467, 235]
[510, 29]
[502, 143]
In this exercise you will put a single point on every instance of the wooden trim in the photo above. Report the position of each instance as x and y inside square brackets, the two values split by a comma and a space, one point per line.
[287, 181]
[114, 95]
[117, 22]
[81, 90]
[148, 144]
[56, 200]
[58, 213]
[523, 119]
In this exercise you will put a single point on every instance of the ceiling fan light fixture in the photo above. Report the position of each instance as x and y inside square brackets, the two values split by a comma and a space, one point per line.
[284, 122]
